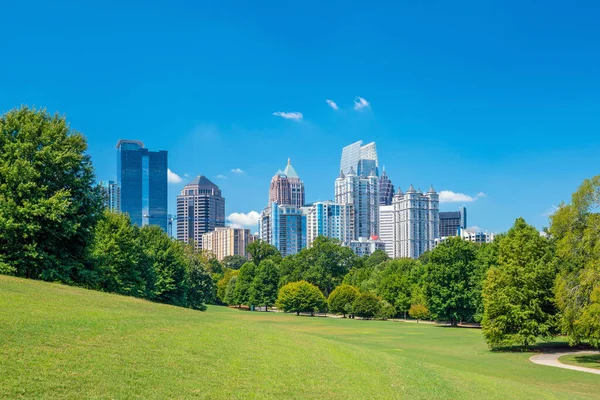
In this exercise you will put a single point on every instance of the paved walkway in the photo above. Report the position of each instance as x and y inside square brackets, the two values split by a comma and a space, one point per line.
[551, 360]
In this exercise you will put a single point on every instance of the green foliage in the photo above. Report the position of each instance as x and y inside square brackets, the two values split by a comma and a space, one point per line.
[375, 259]
[386, 310]
[260, 250]
[397, 282]
[576, 228]
[241, 294]
[324, 264]
[263, 290]
[449, 280]
[518, 293]
[366, 305]
[200, 285]
[418, 311]
[229, 297]
[300, 297]
[223, 285]
[234, 262]
[341, 299]
[48, 201]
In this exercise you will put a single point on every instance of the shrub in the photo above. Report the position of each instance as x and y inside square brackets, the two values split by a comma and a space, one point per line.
[366, 305]
[341, 299]
[300, 297]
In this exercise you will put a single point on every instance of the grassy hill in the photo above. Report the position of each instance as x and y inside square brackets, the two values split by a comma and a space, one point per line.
[62, 342]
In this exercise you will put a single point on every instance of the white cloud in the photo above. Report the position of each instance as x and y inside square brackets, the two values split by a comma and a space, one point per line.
[296, 116]
[474, 228]
[186, 176]
[172, 177]
[237, 171]
[332, 104]
[448, 196]
[360, 103]
[241, 220]
[221, 176]
[550, 211]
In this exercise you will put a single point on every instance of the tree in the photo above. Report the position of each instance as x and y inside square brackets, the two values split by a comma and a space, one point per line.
[448, 280]
[200, 286]
[518, 294]
[234, 262]
[396, 282]
[260, 250]
[223, 284]
[49, 204]
[576, 229]
[300, 297]
[366, 305]
[341, 299]
[386, 310]
[263, 290]
[241, 294]
[418, 311]
[375, 259]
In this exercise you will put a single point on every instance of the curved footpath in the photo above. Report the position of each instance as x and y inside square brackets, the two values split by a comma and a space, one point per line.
[551, 360]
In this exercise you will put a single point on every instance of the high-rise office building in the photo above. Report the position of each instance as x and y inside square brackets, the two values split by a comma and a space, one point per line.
[142, 179]
[226, 241]
[286, 187]
[329, 219]
[283, 227]
[386, 228]
[451, 222]
[362, 159]
[112, 195]
[361, 193]
[200, 209]
[416, 222]
[386, 189]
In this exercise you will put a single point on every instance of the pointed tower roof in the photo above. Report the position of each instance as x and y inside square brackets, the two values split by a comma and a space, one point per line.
[351, 172]
[341, 176]
[411, 189]
[203, 182]
[431, 189]
[373, 173]
[290, 171]
[399, 191]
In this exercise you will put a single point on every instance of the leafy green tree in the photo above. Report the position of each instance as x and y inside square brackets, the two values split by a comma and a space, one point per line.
[397, 281]
[375, 259]
[449, 284]
[234, 262]
[49, 204]
[300, 297]
[200, 285]
[263, 290]
[167, 259]
[386, 310]
[518, 293]
[418, 311]
[122, 265]
[260, 250]
[229, 298]
[341, 299]
[576, 229]
[241, 294]
[223, 284]
[487, 257]
[366, 305]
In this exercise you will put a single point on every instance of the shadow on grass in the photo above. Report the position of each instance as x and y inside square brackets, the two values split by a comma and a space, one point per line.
[544, 347]
[593, 360]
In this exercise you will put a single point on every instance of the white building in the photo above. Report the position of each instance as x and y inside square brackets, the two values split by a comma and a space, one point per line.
[386, 228]
[472, 235]
[362, 194]
[366, 246]
[326, 218]
[226, 241]
[416, 222]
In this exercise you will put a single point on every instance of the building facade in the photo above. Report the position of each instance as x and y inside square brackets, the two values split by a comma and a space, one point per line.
[142, 179]
[471, 235]
[386, 228]
[287, 188]
[284, 227]
[416, 222]
[386, 189]
[112, 195]
[226, 241]
[361, 194]
[366, 246]
[200, 209]
[330, 219]
[451, 222]
[361, 159]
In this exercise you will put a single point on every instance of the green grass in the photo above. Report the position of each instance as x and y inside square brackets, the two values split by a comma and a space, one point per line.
[63, 342]
[582, 360]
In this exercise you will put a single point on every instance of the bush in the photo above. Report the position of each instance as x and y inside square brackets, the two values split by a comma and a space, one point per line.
[386, 310]
[300, 297]
[341, 299]
[366, 305]
[418, 311]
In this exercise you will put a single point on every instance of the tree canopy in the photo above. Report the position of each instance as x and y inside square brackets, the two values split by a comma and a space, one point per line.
[300, 297]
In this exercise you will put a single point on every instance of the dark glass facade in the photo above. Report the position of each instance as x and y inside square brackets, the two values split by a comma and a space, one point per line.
[386, 190]
[452, 221]
[142, 177]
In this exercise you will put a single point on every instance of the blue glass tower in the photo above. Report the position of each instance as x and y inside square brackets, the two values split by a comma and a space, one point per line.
[142, 177]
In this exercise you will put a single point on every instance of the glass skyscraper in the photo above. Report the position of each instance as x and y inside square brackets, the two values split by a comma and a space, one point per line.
[142, 179]
[451, 222]
[361, 159]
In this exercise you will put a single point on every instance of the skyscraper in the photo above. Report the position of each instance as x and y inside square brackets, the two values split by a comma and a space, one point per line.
[283, 227]
[386, 189]
[142, 178]
[416, 222]
[200, 209]
[451, 222]
[286, 187]
[112, 195]
[362, 159]
[386, 228]
[226, 241]
[326, 218]
[362, 195]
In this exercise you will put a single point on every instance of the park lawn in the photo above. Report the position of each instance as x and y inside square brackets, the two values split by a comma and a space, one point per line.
[582, 360]
[63, 342]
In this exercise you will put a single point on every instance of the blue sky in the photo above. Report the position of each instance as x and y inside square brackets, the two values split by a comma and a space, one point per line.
[499, 98]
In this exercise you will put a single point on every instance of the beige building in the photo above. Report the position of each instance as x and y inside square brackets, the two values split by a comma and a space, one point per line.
[227, 241]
